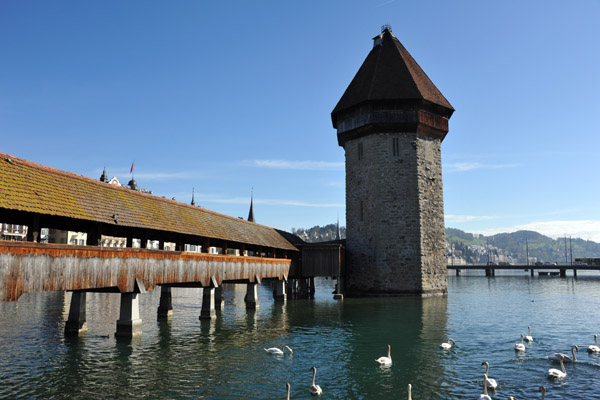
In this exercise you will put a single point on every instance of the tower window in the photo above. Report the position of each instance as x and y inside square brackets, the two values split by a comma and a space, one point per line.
[396, 147]
[361, 210]
[360, 151]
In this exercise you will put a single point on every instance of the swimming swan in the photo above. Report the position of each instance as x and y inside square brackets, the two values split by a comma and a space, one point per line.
[484, 396]
[489, 382]
[448, 345]
[315, 390]
[594, 349]
[287, 386]
[529, 338]
[386, 360]
[554, 373]
[275, 350]
[557, 356]
[520, 346]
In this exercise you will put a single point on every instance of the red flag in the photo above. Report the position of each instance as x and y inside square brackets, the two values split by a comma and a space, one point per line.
[131, 170]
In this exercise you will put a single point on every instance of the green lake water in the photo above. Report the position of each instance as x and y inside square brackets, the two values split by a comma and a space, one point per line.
[224, 359]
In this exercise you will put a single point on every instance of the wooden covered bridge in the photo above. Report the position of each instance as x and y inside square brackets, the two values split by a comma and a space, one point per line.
[228, 249]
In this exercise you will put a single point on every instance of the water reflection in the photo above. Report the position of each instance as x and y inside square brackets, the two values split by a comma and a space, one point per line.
[224, 359]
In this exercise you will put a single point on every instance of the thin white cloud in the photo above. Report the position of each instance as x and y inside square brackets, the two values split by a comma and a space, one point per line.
[470, 166]
[124, 175]
[298, 165]
[385, 3]
[466, 218]
[272, 202]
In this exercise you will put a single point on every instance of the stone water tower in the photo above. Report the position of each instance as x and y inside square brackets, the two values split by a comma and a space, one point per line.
[391, 121]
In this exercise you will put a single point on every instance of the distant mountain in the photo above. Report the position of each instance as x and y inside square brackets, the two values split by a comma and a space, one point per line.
[319, 233]
[474, 248]
[514, 246]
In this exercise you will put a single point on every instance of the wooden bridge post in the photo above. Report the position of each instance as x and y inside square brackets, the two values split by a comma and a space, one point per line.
[563, 273]
[574, 273]
[76, 323]
[165, 307]
[33, 230]
[311, 286]
[457, 272]
[208, 304]
[129, 323]
[279, 293]
[251, 298]
[219, 303]
[532, 272]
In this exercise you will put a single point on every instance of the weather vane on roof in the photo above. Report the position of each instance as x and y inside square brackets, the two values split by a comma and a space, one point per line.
[386, 26]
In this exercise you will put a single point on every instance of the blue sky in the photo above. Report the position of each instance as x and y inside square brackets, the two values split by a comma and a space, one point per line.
[224, 97]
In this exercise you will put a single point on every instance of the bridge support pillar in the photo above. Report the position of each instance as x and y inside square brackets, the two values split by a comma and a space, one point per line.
[290, 289]
[208, 304]
[279, 294]
[129, 323]
[574, 273]
[531, 272]
[76, 323]
[219, 303]
[251, 296]
[311, 286]
[302, 288]
[339, 288]
[457, 272]
[563, 273]
[165, 307]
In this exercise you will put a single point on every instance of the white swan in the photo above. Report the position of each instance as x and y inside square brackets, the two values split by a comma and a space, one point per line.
[558, 356]
[529, 338]
[275, 350]
[489, 382]
[409, 390]
[386, 360]
[287, 386]
[554, 373]
[484, 396]
[315, 390]
[520, 346]
[594, 349]
[448, 345]
[543, 390]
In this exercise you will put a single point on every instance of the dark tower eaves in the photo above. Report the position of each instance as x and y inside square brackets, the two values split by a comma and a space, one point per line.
[391, 91]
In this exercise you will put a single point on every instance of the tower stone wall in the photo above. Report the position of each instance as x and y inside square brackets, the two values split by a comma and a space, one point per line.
[394, 216]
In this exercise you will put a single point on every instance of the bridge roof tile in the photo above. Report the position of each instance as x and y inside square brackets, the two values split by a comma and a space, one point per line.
[35, 188]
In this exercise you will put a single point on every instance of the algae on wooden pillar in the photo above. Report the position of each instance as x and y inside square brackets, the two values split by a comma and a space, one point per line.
[76, 323]
[129, 323]
[279, 294]
[219, 302]
[165, 307]
[252, 296]
[208, 304]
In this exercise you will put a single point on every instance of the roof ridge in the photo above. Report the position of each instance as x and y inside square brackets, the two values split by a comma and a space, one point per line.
[60, 172]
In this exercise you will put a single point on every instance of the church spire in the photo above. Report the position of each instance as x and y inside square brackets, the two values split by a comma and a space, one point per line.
[193, 202]
[251, 213]
[104, 178]
[337, 229]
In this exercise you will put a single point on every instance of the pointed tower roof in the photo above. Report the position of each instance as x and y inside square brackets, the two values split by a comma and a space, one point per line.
[391, 79]
[251, 213]
[193, 203]
[337, 230]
